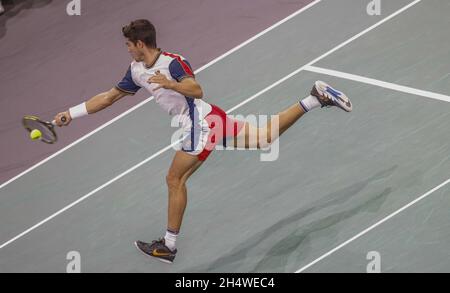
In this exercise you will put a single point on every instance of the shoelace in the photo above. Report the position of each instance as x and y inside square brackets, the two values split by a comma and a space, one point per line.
[326, 105]
[160, 240]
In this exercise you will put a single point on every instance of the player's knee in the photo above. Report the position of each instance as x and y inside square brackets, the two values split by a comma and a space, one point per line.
[173, 181]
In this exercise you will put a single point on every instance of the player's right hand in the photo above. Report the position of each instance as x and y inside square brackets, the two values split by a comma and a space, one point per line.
[59, 120]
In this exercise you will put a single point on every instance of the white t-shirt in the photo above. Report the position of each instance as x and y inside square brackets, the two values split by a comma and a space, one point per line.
[174, 67]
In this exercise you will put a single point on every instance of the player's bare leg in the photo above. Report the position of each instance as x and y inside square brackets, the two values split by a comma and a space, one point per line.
[183, 166]
[250, 134]
[322, 95]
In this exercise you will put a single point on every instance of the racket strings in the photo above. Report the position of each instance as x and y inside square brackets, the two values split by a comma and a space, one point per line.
[47, 134]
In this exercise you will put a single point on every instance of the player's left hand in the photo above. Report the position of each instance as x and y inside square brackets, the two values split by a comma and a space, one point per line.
[162, 80]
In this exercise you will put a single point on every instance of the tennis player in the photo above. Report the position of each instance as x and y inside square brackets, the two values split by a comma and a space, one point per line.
[171, 80]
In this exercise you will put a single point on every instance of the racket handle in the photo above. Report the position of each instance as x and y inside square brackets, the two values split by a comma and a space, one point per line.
[63, 120]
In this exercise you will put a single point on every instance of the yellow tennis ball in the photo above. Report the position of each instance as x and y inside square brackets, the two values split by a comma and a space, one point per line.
[35, 134]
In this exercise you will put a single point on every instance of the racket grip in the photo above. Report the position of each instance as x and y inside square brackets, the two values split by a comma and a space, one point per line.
[63, 119]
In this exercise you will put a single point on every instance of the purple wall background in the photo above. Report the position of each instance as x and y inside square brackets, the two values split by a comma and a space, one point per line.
[50, 61]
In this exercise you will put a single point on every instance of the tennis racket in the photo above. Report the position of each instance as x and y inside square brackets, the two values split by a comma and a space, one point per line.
[46, 128]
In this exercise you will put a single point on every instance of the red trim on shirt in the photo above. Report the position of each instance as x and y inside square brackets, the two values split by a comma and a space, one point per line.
[186, 67]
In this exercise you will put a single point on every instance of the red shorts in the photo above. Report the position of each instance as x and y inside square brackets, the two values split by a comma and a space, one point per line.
[221, 127]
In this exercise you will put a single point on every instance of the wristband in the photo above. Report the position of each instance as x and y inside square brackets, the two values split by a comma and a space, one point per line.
[78, 111]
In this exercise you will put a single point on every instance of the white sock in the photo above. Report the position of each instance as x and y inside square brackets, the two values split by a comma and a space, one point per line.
[309, 103]
[170, 239]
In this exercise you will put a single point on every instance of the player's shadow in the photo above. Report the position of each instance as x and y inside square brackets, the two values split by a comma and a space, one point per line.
[293, 234]
[14, 7]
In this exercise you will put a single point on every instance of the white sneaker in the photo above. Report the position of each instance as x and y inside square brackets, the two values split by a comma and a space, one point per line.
[329, 96]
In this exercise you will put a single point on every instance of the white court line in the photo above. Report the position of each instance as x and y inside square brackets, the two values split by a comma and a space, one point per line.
[166, 148]
[309, 65]
[86, 196]
[374, 226]
[260, 34]
[365, 31]
[151, 98]
[383, 84]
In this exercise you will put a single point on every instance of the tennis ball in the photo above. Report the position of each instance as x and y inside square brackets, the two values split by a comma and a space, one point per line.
[35, 134]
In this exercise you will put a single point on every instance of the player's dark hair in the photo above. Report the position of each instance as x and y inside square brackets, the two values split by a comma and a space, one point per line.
[140, 30]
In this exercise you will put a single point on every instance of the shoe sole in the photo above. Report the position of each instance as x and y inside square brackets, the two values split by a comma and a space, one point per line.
[153, 257]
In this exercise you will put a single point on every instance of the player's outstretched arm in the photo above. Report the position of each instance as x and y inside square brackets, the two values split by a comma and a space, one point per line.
[93, 105]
